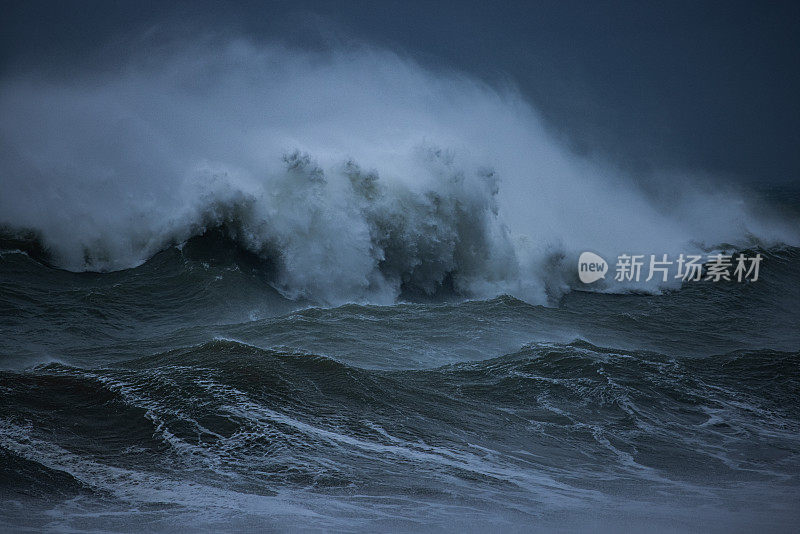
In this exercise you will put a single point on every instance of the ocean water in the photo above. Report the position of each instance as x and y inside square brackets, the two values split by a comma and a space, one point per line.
[246, 287]
[188, 394]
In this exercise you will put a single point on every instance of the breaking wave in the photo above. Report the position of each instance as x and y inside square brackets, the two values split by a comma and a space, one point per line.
[357, 174]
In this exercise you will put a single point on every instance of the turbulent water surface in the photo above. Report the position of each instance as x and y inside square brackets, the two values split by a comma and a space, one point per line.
[244, 286]
[188, 393]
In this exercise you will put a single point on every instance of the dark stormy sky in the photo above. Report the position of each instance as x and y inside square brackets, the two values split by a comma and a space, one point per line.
[701, 86]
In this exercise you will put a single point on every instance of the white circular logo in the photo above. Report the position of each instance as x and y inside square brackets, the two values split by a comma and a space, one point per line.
[591, 267]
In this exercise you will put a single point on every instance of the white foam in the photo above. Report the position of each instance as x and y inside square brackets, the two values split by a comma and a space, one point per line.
[409, 175]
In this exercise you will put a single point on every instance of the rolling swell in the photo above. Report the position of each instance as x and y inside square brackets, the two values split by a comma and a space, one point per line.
[210, 287]
[251, 421]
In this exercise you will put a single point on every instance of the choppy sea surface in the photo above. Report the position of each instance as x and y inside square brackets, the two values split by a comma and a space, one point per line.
[187, 394]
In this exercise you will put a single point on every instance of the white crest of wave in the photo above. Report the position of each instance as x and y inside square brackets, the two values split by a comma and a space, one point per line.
[358, 172]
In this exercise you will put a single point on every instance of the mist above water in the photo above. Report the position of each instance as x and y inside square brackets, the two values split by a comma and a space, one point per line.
[356, 171]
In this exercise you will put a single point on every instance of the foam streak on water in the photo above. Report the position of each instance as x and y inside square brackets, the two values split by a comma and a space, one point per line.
[248, 287]
[188, 391]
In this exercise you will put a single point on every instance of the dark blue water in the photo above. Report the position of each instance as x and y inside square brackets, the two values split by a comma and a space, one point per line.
[188, 394]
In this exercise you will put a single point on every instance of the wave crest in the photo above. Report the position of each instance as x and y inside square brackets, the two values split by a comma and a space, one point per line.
[397, 180]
